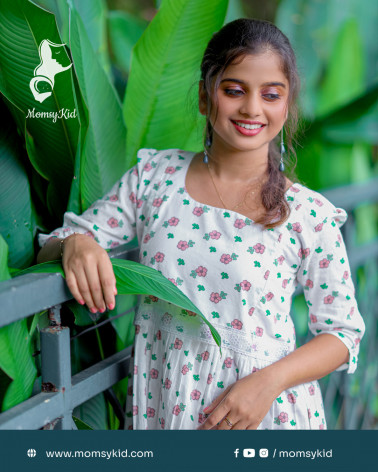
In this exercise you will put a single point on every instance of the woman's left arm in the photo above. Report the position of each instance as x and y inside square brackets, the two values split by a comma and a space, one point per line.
[248, 400]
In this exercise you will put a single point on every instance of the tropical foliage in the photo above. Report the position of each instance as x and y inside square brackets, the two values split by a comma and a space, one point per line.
[133, 84]
[58, 163]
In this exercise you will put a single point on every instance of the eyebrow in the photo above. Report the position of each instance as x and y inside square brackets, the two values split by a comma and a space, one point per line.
[266, 84]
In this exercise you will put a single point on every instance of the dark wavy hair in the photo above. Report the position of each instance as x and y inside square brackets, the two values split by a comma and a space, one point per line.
[228, 46]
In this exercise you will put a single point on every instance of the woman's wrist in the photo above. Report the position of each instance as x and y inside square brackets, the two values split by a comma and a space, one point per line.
[271, 377]
[63, 242]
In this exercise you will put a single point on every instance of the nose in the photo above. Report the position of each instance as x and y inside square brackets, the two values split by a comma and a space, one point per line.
[251, 105]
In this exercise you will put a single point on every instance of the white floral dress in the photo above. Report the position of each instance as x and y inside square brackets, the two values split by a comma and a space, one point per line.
[241, 276]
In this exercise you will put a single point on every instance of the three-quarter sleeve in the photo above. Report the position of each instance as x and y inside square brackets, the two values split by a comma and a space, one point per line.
[329, 291]
[110, 220]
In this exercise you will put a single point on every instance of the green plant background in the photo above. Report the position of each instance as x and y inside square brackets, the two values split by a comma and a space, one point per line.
[133, 84]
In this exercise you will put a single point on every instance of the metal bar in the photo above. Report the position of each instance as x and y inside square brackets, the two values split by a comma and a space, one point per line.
[101, 376]
[21, 297]
[44, 408]
[56, 366]
[33, 413]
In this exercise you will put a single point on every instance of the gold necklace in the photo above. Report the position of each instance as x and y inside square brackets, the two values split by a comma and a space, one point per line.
[220, 197]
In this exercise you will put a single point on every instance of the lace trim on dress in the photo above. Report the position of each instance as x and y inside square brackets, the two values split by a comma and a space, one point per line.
[248, 345]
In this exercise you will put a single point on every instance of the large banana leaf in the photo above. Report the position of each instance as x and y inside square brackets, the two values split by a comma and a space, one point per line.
[16, 361]
[17, 224]
[103, 157]
[23, 27]
[93, 14]
[164, 69]
[62, 13]
[135, 278]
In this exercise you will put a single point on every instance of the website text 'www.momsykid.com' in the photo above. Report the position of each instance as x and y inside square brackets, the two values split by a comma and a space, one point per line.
[110, 454]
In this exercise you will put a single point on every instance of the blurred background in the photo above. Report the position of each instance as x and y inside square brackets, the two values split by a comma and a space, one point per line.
[136, 74]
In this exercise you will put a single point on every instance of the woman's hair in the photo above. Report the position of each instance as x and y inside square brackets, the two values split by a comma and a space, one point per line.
[230, 45]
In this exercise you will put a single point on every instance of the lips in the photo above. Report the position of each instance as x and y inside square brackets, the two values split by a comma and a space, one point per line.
[248, 128]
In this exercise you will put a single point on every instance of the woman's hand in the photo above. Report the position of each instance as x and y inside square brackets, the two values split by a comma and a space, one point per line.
[89, 273]
[244, 403]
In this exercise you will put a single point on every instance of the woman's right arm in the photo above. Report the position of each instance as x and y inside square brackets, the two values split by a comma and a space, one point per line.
[89, 272]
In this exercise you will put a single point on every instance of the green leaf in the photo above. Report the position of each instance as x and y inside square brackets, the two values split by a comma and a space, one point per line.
[4, 272]
[93, 15]
[23, 27]
[17, 223]
[165, 60]
[16, 361]
[80, 424]
[135, 278]
[61, 11]
[103, 158]
[93, 413]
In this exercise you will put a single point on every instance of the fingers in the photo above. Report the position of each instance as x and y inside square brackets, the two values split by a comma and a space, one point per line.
[216, 402]
[107, 281]
[79, 280]
[74, 289]
[95, 287]
[216, 417]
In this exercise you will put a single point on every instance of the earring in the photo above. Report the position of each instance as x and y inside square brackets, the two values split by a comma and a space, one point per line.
[208, 143]
[282, 152]
[205, 157]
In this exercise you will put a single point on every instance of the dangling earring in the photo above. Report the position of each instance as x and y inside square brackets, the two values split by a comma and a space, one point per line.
[208, 143]
[282, 152]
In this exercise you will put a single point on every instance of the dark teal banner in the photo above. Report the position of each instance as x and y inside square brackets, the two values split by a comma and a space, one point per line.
[197, 451]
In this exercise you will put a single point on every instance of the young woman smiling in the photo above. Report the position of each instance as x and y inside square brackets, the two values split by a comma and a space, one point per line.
[237, 235]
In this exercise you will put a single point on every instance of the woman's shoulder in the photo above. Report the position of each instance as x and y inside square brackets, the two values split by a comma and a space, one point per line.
[312, 207]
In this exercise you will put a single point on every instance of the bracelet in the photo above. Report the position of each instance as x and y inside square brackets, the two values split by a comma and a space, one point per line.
[62, 243]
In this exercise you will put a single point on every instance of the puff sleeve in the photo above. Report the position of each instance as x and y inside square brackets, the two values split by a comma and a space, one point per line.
[110, 220]
[325, 276]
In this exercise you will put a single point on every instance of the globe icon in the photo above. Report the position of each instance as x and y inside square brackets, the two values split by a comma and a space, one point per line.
[32, 452]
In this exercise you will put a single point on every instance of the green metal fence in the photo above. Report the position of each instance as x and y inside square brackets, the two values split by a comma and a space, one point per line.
[350, 401]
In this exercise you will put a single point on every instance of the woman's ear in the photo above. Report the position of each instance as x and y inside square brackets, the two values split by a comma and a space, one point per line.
[202, 98]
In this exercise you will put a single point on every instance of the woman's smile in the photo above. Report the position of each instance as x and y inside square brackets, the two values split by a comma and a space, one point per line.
[248, 128]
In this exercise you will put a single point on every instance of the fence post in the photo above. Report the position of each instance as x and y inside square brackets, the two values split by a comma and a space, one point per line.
[56, 363]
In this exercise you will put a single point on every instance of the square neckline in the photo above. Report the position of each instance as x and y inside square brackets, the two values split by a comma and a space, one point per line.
[184, 175]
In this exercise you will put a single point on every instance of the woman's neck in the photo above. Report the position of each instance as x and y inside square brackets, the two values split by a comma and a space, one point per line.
[238, 167]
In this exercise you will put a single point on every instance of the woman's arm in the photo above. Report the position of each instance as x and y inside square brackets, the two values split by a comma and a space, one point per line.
[312, 361]
[247, 401]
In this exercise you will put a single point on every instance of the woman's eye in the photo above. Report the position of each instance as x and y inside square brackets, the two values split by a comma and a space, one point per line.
[271, 96]
[234, 92]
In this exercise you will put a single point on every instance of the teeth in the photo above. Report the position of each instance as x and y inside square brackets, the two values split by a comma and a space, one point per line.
[246, 126]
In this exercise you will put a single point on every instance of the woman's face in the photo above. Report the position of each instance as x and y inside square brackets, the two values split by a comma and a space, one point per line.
[252, 104]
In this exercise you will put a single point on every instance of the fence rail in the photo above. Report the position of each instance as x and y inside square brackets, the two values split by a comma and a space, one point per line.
[61, 393]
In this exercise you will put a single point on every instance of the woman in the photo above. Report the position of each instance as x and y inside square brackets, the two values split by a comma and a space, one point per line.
[237, 236]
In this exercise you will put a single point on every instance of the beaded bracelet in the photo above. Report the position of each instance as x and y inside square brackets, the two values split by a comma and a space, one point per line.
[62, 243]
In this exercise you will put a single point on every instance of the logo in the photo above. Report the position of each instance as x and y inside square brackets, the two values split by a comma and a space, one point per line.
[249, 453]
[42, 83]
[264, 453]
[32, 452]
